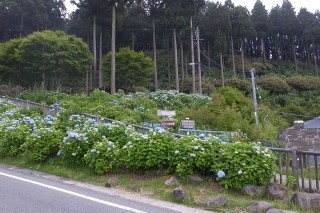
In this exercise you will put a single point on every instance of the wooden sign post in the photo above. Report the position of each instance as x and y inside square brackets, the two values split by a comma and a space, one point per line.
[166, 121]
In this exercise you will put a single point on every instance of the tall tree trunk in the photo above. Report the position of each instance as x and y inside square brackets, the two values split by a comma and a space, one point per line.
[192, 60]
[43, 81]
[100, 62]
[263, 51]
[295, 56]
[309, 57]
[90, 79]
[87, 83]
[315, 63]
[168, 63]
[113, 51]
[242, 60]
[9, 86]
[221, 64]
[209, 60]
[94, 48]
[21, 26]
[176, 58]
[155, 71]
[199, 63]
[233, 61]
[182, 63]
[186, 66]
[132, 40]
[18, 89]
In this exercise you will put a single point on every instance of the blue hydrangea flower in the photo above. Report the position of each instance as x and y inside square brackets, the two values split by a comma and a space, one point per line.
[195, 147]
[161, 130]
[176, 152]
[193, 155]
[221, 174]
[59, 153]
[257, 148]
[50, 122]
[93, 150]
[144, 137]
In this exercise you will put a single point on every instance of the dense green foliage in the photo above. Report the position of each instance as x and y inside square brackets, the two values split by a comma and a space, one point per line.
[287, 44]
[133, 68]
[274, 85]
[109, 147]
[227, 110]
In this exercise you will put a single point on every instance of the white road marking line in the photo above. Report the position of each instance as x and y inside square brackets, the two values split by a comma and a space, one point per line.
[75, 194]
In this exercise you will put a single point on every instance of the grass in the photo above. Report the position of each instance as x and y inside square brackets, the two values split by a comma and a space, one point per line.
[152, 185]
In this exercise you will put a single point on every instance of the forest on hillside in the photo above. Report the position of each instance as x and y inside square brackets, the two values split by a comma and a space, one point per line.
[232, 40]
[282, 45]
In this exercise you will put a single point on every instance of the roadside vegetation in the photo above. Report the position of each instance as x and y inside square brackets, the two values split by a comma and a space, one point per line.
[72, 146]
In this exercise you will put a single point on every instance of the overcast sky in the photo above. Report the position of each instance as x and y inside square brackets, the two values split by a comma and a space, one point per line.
[311, 5]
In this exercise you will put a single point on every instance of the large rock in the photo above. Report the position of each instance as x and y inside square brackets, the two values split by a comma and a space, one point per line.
[194, 178]
[172, 180]
[252, 190]
[179, 193]
[273, 210]
[306, 200]
[259, 206]
[218, 201]
[135, 188]
[111, 183]
[275, 192]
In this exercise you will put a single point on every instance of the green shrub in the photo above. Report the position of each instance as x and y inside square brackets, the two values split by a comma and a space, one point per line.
[262, 69]
[240, 84]
[103, 157]
[42, 143]
[147, 151]
[207, 86]
[193, 155]
[274, 85]
[241, 164]
[303, 83]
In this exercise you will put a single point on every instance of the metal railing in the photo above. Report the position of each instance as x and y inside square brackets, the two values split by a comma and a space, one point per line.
[302, 165]
[223, 135]
[47, 110]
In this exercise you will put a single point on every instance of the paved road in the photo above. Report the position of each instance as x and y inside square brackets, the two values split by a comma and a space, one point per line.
[24, 191]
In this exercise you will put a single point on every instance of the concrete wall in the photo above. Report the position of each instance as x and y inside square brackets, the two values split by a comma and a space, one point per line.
[303, 139]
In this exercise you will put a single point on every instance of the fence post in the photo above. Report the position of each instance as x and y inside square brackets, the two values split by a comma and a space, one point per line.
[98, 119]
[294, 164]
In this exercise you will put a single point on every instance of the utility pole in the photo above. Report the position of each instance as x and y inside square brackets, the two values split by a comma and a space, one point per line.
[199, 63]
[255, 105]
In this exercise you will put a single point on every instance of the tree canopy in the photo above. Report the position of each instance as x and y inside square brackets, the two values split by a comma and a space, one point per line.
[52, 54]
[133, 68]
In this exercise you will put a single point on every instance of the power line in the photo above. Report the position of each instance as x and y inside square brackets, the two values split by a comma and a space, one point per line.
[286, 113]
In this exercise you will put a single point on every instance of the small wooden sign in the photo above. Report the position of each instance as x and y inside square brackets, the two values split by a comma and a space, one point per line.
[167, 122]
[166, 113]
[188, 124]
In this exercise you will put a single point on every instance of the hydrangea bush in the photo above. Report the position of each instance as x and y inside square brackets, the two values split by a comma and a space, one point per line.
[193, 155]
[42, 143]
[103, 157]
[147, 150]
[109, 147]
[241, 164]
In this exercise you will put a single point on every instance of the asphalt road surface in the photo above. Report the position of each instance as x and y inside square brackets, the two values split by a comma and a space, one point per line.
[24, 191]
